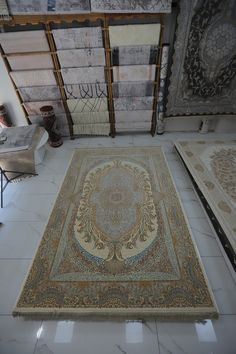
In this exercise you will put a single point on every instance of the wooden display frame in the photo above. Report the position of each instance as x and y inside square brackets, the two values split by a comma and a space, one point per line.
[47, 20]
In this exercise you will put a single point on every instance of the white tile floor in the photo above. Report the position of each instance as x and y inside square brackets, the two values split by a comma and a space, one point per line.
[26, 208]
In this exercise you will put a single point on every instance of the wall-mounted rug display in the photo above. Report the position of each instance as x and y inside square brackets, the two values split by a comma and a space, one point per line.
[133, 126]
[87, 105]
[133, 103]
[27, 6]
[33, 108]
[134, 55]
[25, 78]
[158, 6]
[29, 62]
[71, 38]
[212, 165]
[134, 73]
[203, 76]
[63, 129]
[81, 57]
[132, 89]
[18, 7]
[40, 93]
[72, 65]
[90, 117]
[24, 41]
[161, 97]
[117, 243]
[48, 6]
[68, 6]
[131, 117]
[86, 90]
[61, 123]
[92, 129]
[134, 35]
[89, 74]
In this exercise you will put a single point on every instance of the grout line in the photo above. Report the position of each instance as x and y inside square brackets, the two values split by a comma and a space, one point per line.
[158, 343]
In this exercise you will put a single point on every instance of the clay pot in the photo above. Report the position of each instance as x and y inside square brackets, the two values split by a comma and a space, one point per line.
[49, 121]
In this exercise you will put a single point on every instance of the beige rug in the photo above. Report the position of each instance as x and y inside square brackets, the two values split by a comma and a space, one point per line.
[117, 244]
[212, 165]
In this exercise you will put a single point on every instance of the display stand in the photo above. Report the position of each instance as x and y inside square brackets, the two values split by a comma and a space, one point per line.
[10, 179]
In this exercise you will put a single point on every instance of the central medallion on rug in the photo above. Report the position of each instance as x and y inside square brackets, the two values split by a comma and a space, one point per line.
[117, 243]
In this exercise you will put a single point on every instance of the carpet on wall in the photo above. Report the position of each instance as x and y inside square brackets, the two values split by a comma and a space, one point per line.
[117, 244]
[26, 7]
[202, 77]
[212, 165]
[24, 41]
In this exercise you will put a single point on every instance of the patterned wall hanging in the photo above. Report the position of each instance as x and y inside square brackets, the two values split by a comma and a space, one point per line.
[74, 38]
[131, 6]
[78, 86]
[136, 89]
[48, 6]
[203, 76]
[85, 6]
[87, 90]
[134, 53]
[82, 59]
[162, 89]
[33, 74]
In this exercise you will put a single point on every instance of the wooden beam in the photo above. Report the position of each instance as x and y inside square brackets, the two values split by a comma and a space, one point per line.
[108, 73]
[58, 76]
[57, 18]
[156, 84]
[8, 68]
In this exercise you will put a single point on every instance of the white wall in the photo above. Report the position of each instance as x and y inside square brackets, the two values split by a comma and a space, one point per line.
[9, 99]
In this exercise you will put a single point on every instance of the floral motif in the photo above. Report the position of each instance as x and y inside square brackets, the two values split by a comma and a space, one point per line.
[116, 213]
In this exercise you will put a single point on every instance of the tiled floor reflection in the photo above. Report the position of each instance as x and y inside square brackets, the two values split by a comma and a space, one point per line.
[26, 208]
[103, 337]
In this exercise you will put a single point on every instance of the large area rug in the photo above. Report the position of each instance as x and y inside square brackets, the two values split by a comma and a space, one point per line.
[212, 165]
[117, 243]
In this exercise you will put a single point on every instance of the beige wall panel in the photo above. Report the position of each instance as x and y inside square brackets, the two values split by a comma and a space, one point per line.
[134, 73]
[33, 108]
[83, 75]
[129, 35]
[27, 78]
[71, 38]
[40, 93]
[87, 105]
[133, 103]
[29, 62]
[81, 57]
[133, 126]
[90, 117]
[92, 129]
[133, 116]
[24, 41]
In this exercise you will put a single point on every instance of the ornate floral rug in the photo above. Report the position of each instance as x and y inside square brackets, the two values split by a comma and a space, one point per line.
[212, 165]
[117, 243]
